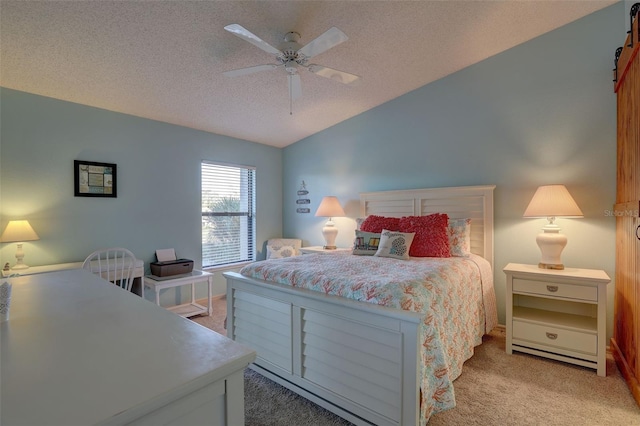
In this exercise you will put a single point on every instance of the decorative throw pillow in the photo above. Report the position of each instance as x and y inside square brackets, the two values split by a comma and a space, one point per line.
[432, 236]
[359, 221]
[394, 244]
[366, 243]
[460, 237]
[280, 251]
[278, 248]
[376, 224]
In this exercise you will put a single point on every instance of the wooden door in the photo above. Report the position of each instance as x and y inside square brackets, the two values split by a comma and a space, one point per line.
[625, 343]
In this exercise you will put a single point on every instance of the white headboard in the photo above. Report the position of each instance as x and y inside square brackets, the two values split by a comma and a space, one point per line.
[474, 202]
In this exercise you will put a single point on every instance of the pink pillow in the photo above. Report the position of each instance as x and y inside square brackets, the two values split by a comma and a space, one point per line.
[432, 237]
[376, 224]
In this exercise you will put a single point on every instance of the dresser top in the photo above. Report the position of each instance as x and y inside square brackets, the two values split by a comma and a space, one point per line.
[594, 275]
[79, 350]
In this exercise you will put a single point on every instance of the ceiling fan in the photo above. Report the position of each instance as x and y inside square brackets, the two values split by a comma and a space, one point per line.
[292, 56]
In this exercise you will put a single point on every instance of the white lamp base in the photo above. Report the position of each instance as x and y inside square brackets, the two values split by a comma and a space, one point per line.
[551, 243]
[19, 256]
[330, 232]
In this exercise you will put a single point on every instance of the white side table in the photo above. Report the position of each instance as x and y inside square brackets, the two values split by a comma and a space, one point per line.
[558, 314]
[322, 250]
[192, 278]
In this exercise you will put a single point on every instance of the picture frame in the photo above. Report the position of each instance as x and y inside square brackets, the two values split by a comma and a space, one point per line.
[92, 179]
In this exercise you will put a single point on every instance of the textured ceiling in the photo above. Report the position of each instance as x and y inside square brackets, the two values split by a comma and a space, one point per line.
[164, 60]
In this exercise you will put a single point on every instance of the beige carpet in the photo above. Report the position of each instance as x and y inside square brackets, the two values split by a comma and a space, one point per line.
[494, 389]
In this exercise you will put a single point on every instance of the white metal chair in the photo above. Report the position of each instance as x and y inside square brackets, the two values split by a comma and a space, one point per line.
[113, 264]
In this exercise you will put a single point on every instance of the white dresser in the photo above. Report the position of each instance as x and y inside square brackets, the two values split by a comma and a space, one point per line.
[558, 314]
[77, 350]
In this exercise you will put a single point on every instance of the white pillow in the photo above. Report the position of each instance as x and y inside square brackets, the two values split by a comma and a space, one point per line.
[278, 248]
[395, 244]
[280, 252]
[460, 237]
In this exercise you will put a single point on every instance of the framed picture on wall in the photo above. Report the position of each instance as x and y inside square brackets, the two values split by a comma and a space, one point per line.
[93, 179]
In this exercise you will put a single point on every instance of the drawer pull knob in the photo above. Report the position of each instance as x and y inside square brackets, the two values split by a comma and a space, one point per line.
[552, 336]
[552, 288]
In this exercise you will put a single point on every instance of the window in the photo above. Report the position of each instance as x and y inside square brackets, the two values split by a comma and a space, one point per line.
[228, 214]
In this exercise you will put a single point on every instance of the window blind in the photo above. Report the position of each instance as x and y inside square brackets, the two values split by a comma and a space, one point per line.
[228, 214]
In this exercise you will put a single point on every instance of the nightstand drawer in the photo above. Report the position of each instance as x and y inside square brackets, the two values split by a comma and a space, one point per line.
[561, 338]
[568, 291]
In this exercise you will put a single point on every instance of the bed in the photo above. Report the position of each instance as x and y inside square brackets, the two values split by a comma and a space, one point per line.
[371, 361]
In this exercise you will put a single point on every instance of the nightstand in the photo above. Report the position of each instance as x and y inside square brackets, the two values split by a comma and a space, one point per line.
[320, 249]
[558, 314]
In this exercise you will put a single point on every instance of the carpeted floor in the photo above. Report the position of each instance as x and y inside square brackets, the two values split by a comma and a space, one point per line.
[494, 389]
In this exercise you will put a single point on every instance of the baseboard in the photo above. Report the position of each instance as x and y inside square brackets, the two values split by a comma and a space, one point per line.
[215, 297]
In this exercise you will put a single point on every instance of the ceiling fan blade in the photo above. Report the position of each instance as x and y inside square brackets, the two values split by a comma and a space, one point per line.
[295, 87]
[247, 35]
[340, 76]
[250, 70]
[332, 37]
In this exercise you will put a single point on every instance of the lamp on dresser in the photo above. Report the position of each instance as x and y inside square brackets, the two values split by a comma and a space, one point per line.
[19, 231]
[552, 201]
[330, 207]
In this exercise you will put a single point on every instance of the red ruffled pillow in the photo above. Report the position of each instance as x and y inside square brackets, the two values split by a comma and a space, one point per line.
[376, 224]
[432, 237]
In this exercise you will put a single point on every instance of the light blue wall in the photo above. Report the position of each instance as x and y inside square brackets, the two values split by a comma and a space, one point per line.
[158, 203]
[543, 112]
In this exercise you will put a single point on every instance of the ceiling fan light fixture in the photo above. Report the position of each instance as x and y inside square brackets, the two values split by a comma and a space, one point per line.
[291, 67]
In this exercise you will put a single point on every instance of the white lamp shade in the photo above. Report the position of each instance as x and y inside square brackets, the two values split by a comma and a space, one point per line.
[552, 201]
[330, 207]
[18, 231]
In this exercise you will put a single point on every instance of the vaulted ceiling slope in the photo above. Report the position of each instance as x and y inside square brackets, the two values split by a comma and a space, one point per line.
[164, 60]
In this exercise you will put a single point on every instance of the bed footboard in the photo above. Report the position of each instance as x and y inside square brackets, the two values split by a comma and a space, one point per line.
[358, 360]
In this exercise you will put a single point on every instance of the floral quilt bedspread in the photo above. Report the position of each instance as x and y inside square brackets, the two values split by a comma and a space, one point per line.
[456, 294]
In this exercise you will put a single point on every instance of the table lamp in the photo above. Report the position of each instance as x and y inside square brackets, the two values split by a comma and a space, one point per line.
[19, 231]
[330, 207]
[552, 201]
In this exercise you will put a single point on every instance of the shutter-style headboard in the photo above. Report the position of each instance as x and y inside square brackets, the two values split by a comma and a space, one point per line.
[474, 202]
